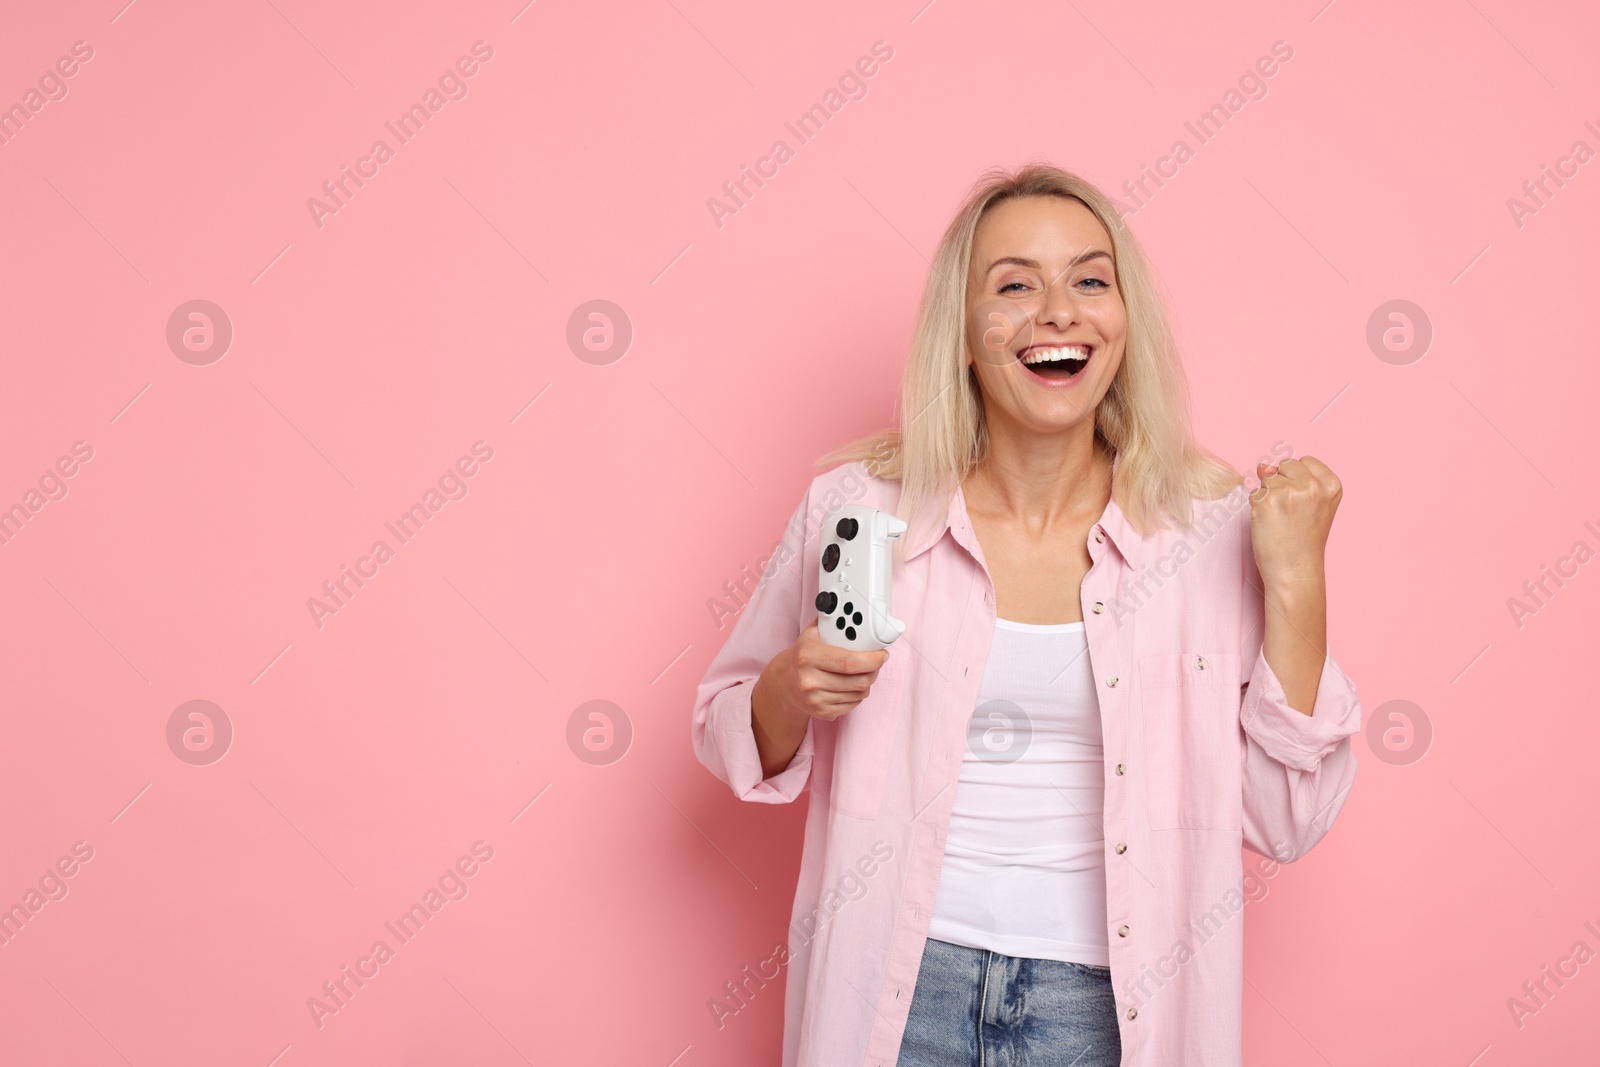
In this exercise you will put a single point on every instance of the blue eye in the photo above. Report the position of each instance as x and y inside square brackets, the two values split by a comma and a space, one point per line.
[1100, 283]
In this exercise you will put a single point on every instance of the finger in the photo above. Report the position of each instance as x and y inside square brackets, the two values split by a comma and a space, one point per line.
[1295, 471]
[1315, 465]
[830, 712]
[841, 703]
[1271, 479]
[1269, 475]
[840, 684]
[817, 652]
[1278, 481]
[847, 661]
[1321, 472]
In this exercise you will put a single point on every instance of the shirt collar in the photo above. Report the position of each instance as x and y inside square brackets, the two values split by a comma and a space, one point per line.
[1119, 531]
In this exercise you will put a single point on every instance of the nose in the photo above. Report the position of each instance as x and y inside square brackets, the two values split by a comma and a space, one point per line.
[1059, 306]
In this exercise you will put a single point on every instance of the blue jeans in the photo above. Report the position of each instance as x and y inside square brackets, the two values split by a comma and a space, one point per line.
[976, 1008]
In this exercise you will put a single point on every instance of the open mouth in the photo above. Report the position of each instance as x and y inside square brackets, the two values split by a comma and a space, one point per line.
[1056, 362]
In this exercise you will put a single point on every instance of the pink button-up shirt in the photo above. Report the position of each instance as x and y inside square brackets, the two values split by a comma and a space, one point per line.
[1202, 754]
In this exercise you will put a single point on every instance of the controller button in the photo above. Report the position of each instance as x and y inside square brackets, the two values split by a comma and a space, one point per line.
[848, 607]
[826, 602]
[850, 633]
[856, 618]
[830, 558]
[840, 623]
[847, 529]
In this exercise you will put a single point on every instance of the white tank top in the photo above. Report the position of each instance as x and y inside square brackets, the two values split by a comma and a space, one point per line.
[1024, 863]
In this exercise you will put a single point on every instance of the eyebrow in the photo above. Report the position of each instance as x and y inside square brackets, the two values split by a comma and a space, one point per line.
[1083, 257]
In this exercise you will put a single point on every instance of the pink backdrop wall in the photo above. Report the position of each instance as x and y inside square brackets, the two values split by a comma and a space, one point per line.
[368, 750]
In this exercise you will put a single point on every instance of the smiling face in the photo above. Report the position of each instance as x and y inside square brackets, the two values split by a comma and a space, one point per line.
[1046, 324]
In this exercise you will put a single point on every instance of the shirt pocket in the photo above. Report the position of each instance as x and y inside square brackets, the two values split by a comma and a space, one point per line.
[862, 748]
[1190, 703]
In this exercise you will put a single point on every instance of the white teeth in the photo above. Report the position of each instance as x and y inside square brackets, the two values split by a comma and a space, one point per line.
[1077, 353]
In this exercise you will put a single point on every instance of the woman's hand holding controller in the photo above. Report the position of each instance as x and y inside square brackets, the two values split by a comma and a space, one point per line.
[807, 680]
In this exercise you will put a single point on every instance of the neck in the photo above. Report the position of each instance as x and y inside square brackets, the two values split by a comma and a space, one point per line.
[1041, 478]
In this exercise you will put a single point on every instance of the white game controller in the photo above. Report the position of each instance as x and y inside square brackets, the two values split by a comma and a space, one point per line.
[853, 582]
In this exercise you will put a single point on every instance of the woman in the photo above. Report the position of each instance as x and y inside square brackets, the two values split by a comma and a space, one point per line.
[1023, 841]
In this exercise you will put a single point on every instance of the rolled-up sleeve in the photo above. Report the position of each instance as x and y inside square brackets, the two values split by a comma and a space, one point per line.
[1298, 769]
[769, 623]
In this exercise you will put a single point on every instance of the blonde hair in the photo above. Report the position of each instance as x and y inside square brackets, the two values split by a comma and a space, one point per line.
[1143, 418]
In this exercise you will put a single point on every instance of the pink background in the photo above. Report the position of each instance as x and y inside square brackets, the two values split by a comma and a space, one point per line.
[372, 352]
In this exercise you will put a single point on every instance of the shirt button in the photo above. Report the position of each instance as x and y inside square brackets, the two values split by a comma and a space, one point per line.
[1099, 537]
[1121, 847]
[1121, 768]
[1112, 681]
[1099, 606]
[1199, 663]
[1122, 931]
[1133, 1013]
